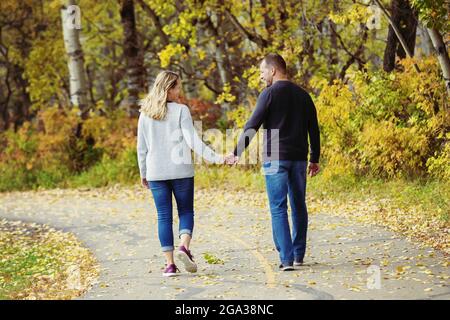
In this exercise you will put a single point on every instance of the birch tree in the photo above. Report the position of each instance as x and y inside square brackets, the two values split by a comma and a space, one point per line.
[71, 17]
[442, 55]
[434, 16]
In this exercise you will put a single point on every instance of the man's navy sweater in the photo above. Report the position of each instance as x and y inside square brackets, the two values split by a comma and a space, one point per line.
[289, 109]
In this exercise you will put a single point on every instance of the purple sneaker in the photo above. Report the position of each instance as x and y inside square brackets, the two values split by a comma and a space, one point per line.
[170, 271]
[187, 258]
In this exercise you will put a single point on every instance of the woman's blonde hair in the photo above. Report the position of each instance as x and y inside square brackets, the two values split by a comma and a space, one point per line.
[154, 105]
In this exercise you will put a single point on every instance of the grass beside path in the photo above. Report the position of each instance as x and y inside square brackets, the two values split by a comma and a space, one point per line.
[38, 262]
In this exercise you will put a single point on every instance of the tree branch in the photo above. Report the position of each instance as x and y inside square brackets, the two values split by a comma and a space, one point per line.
[260, 41]
[338, 36]
[355, 57]
[152, 14]
[195, 77]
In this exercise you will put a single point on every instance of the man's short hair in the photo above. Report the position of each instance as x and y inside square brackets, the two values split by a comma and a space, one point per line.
[276, 61]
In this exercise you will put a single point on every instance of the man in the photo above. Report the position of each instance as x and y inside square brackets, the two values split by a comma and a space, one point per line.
[289, 117]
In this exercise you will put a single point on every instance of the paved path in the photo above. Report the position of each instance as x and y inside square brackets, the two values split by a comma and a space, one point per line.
[120, 228]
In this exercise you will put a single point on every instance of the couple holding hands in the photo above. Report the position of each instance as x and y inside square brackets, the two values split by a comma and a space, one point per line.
[165, 126]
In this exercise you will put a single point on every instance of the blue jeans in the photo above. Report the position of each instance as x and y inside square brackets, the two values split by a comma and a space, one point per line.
[283, 178]
[183, 190]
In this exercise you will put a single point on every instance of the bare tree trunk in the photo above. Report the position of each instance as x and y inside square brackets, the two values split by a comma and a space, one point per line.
[442, 55]
[409, 22]
[4, 103]
[133, 56]
[22, 110]
[333, 55]
[392, 46]
[3, 117]
[78, 91]
[404, 19]
[392, 41]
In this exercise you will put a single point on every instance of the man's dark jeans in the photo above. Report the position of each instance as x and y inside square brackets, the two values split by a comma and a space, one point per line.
[287, 178]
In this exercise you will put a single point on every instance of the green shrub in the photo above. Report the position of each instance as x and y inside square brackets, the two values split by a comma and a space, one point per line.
[123, 169]
[386, 124]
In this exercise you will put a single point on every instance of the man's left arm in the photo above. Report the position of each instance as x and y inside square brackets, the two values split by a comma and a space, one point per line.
[314, 138]
[254, 123]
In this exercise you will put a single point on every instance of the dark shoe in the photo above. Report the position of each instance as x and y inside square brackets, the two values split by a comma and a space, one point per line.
[286, 268]
[298, 262]
[187, 258]
[170, 271]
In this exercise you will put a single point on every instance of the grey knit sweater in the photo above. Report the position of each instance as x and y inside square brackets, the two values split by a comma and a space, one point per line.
[164, 146]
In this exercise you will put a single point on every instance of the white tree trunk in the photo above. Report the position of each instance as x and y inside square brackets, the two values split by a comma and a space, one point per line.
[425, 44]
[71, 33]
[442, 54]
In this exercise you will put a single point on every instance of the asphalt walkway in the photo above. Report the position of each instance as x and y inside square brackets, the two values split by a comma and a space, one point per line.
[344, 259]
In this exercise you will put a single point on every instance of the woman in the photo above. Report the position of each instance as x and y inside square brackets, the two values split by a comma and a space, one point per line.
[166, 136]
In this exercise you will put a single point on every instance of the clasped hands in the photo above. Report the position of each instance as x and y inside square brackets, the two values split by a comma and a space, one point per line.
[230, 159]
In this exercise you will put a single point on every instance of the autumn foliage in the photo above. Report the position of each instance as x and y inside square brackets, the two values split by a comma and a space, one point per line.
[386, 125]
